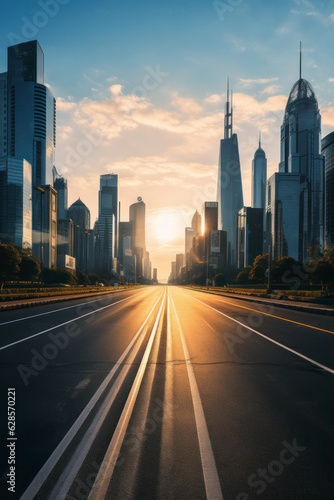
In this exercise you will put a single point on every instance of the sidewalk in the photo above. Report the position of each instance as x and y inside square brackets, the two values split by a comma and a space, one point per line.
[40, 301]
[287, 304]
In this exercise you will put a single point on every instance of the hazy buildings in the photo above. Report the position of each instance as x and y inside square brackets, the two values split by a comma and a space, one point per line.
[229, 196]
[155, 275]
[179, 263]
[65, 243]
[126, 250]
[15, 202]
[327, 149]
[137, 216]
[196, 223]
[250, 235]
[80, 215]
[190, 234]
[303, 166]
[259, 178]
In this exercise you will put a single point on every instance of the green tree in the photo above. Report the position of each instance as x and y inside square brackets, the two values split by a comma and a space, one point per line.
[259, 267]
[30, 268]
[281, 266]
[220, 279]
[243, 276]
[82, 278]
[9, 261]
[94, 278]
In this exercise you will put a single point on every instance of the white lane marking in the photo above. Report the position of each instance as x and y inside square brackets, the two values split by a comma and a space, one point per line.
[49, 465]
[104, 296]
[102, 481]
[65, 323]
[210, 473]
[323, 367]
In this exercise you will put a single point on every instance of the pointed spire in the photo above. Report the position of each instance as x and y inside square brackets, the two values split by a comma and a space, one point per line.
[228, 112]
[300, 61]
[259, 138]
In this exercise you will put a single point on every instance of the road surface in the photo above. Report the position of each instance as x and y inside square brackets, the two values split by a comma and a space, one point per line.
[166, 393]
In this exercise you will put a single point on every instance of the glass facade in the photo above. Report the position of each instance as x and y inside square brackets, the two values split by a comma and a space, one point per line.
[250, 235]
[80, 215]
[16, 202]
[137, 216]
[287, 215]
[300, 154]
[259, 179]
[327, 149]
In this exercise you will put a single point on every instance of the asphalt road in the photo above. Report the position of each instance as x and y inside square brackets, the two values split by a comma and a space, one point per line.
[166, 393]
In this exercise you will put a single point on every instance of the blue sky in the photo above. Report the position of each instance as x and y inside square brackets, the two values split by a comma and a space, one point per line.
[161, 134]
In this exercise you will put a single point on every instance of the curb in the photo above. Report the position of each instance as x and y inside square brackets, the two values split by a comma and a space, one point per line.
[295, 307]
[11, 307]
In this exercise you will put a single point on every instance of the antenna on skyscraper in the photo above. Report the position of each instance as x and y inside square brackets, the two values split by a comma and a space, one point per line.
[259, 138]
[300, 60]
[228, 113]
[231, 124]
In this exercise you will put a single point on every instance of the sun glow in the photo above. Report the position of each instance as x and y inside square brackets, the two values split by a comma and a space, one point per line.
[166, 227]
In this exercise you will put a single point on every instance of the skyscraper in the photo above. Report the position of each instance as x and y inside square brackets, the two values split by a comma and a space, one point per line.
[137, 216]
[229, 196]
[31, 111]
[179, 263]
[196, 223]
[190, 234]
[126, 249]
[250, 235]
[15, 202]
[303, 165]
[80, 215]
[327, 149]
[108, 217]
[28, 118]
[60, 185]
[259, 178]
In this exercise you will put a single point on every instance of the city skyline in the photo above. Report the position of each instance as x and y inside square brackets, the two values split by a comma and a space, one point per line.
[150, 97]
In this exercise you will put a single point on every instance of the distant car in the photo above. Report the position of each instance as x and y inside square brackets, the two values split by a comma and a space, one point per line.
[100, 284]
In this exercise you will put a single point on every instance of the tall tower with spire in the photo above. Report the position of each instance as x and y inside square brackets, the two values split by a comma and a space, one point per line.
[259, 177]
[229, 195]
[296, 216]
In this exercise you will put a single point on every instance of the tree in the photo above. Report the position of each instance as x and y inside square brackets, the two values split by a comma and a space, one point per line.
[82, 278]
[282, 266]
[9, 262]
[243, 277]
[94, 278]
[220, 279]
[260, 265]
[30, 268]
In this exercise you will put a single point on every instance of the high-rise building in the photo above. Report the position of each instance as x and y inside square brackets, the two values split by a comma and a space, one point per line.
[179, 262]
[155, 274]
[287, 214]
[327, 149]
[173, 270]
[108, 221]
[46, 246]
[3, 115]
[137, 216]
[60, 185]
[80, 215]
[126, 249]
[28, 118]
[196, 223]
[147, 266]
[210, 223]
[229, 195]
[259, 178]
[65, 241]
[300, 155]
[250, 235]
[15, 202]
[190, 234]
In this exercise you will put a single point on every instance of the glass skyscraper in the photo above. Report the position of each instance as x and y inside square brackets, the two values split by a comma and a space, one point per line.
[295, 195]
[108, 218]
[259, 178]
[229, 196]
[327, 149]
[137, 216]
[80, 215]
[15, 202]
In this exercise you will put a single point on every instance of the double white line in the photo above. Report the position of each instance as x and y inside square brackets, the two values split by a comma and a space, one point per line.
[68, 474]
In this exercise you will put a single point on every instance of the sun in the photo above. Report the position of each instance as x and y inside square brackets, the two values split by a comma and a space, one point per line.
[166, 227]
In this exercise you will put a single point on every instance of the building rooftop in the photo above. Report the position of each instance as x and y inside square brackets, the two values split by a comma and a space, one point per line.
[302, 96]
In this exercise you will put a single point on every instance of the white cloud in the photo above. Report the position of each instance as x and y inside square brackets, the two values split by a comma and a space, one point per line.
[249, 82]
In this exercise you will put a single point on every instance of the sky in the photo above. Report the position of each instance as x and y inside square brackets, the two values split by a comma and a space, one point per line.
[141, 86]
